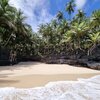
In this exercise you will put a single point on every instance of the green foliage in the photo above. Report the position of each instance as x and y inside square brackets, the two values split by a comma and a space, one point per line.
[70, 7]
[59, 15]
[57, 37]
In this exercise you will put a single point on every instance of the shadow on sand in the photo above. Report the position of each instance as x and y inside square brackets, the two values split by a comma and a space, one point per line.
[18, 66]
[5, 82]
[4, 78]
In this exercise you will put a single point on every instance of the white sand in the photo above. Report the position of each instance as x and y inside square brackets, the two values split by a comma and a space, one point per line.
[33, 74]
[36, 68]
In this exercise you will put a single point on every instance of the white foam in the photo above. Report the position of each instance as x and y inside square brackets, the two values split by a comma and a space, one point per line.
[83, 89]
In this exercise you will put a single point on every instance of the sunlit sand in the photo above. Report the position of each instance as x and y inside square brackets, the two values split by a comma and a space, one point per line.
[35, 74]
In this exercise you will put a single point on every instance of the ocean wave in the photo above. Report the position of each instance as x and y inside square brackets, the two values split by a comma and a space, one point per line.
[83, 89]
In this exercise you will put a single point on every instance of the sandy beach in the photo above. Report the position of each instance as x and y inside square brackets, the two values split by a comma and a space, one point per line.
[36, 74]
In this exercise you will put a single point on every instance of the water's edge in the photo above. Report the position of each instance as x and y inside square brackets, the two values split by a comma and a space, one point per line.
[83, 89]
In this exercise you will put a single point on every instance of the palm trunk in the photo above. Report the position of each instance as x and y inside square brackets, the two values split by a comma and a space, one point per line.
[8, 40]
[91, 49]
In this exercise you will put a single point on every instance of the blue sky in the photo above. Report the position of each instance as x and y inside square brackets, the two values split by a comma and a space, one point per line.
[42, 11]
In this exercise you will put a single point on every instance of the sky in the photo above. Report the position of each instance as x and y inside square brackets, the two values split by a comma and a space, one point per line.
[43, 11]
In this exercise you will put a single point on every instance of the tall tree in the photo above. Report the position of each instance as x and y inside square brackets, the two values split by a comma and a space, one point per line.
[80, 15]
[59, 16]
[95, 19]
[94, 39]
[77, 33]
[70, 7]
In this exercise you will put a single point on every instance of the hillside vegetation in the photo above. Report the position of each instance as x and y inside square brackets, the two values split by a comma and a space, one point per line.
[75, 38]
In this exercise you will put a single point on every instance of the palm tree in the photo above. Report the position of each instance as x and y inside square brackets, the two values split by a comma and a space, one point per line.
[59, 15]
[54, 24]
[95, 19]
[14, 32]
[94, 39]
[6, 20]
[20, 23]
[77, 34]
[62, 28]
[80, 15]
[6, 14]
[70, 7]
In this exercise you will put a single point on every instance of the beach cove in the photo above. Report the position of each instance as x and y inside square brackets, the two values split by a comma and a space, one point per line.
[36, 74]
[39, 81]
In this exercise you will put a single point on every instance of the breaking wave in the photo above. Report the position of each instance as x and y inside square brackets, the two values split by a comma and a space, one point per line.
[83, 89]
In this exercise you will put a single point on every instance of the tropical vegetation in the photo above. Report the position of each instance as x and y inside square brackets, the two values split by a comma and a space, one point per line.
[77, 35]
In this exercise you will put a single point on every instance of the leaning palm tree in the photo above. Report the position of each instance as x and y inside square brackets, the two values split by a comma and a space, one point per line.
[6, 14]
[20, 23]
[70, 7]
[7, 20]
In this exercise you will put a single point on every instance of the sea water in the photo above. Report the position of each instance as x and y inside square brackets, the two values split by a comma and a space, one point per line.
[83, 89]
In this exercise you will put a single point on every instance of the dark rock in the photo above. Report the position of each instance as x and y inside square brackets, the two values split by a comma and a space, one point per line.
[95, 55]
[83, 62]
[94, 65]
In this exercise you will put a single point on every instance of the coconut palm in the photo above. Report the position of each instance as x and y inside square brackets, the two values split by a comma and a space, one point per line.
[20, 23]
[6, 20]
[94, 39]
[80, 16]
[77, 34]
[59, 16]
[6, 14]
[70, 7]
[62, 29]
[95, 19]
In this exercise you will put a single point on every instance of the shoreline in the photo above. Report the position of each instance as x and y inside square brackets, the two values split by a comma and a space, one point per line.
[36, 74]
[32, 81]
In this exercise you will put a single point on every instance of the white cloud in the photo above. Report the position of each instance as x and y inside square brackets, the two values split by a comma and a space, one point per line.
[36, 11]
[80, 3]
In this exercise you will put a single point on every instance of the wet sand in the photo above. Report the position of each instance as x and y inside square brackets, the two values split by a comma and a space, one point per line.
[36, 74]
